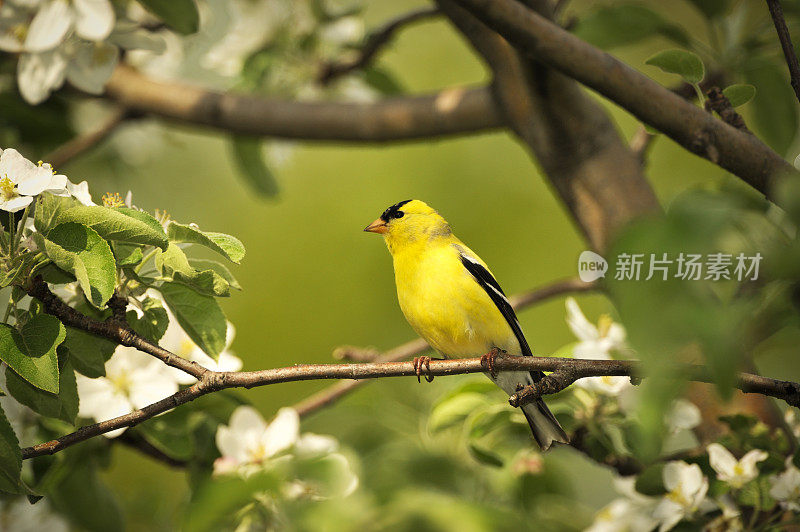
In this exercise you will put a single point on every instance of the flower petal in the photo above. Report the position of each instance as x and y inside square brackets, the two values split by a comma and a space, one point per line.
[49, 27]
[16, 204]
[92, 65]
[721, 459]
[40, 74]
[282, 433]
[578, 323]
[94, 19]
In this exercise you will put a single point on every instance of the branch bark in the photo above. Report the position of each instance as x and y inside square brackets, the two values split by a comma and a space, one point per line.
[333, 393]
[598, 178]
[776, 12]
[576, 368]
[691, 127]
[452, 111]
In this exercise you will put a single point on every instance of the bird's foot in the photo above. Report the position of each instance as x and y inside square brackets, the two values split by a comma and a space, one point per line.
[419, 362]
[488, 360]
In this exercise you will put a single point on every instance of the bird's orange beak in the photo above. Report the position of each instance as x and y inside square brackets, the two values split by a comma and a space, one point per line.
[378, 226]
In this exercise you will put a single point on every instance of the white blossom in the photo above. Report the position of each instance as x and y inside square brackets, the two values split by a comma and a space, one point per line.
[21, 180]
[786, 487]
[133, 380]
[683, 415]
[737, 473]
[21, 516]
[597, 343]
[247, 440]
[630, 513]
[686, 494]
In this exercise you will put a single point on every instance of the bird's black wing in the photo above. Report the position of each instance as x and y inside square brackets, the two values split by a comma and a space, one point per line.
[492, 288]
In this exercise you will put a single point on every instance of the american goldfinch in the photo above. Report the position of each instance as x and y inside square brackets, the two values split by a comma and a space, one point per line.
[452, 300]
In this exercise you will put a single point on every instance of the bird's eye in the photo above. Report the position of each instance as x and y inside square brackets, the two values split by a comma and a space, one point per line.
[398, 214]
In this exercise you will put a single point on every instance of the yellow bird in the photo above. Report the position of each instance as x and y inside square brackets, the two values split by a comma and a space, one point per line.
[453, 301]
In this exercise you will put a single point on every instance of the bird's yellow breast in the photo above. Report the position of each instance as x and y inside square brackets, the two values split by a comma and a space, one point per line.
[443, 302]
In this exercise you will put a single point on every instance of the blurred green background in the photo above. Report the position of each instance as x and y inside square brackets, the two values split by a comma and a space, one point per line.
[313, 280]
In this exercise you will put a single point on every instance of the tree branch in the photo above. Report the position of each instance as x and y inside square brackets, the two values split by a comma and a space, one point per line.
[452, 111]
[691, 127]
[112, 329]
[81, 144]
[575, 368]
[333, 393]
[375, 41]
[776, 12]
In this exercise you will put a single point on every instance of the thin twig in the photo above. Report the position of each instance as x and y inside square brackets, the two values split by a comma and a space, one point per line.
[567, 371]
[137, 442]
[374, 43]
[776, 11]
[416, 347]
[83, 143]
[111, 329]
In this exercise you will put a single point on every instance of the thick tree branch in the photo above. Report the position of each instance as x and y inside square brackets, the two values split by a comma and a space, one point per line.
[574, 368]
[450, 112]
[691, 127]
[776, 12]
[81, 144]
[571, 136]
[374, 43]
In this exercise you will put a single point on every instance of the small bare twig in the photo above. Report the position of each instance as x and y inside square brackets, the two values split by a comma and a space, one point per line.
[83, 143]
[375, 41]
[718, 102]
[776, 12]
[137, 442]
[113, 328]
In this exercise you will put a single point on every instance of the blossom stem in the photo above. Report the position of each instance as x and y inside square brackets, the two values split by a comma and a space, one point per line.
[19, 231]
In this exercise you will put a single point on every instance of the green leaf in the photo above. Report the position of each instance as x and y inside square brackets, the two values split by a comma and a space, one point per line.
[382, 81]
[121, 225]
[774, 107]
[682, 62]
[169, 435]
[651, 481]
[221, 269]
[10, 457]
[228, 246]
[620, 25]
[86, 500]
[31, 352]
[739, 94]
[63, 405]
[216, 501]
[153, 322]
[88, 353]
[16, 269]
[127, 254]
[48, 209]
[711, 8]
[484, 456]
[249, 158]
[174, 263]
[455, 410]
[756, 494]
[180, 15]
[79, 250]
[200, 316]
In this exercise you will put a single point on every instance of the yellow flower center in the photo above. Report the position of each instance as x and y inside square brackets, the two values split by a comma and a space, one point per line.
[19, 32]
[101, 54]
[677, 496]
[186, 348]
[8, 189]
[112, 199]
[121, 382]
[738, 470]
[259, 453]
[604, 324]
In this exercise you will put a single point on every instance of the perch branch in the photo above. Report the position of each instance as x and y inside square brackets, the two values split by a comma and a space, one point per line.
[374, 43]
[776, 12]
[569, 368]
[691, 127]
[333, 393]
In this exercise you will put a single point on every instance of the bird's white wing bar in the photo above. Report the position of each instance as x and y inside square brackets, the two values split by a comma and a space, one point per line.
[492, 288]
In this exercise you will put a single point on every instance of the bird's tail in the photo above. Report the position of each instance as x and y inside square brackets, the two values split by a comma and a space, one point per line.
[544, 425]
